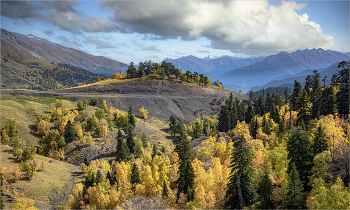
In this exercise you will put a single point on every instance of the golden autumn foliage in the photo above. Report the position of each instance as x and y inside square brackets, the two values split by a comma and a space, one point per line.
[4, 137]
[143, 113]
[19, 202]
[43, 127]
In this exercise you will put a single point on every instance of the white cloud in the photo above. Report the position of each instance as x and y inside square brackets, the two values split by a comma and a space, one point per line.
[99, 44]
[145, 47]
[248, 27]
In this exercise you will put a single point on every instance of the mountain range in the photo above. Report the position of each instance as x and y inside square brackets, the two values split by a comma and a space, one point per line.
[214, 66]
[44, 50]
[282, 64]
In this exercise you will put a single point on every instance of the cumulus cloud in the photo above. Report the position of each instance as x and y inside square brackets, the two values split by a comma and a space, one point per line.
[59, 13]
[202, 51]
[49, 32]
[68, 43]
[145, 47]
[248, 27]
[99, 44]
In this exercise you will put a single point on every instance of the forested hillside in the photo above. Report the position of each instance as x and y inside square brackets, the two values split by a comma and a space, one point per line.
[268, 153]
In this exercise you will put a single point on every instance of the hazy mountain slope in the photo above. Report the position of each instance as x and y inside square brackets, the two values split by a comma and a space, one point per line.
[20, 71]
[281, 64]
[44, 50]
[300, 77]
[212, 67]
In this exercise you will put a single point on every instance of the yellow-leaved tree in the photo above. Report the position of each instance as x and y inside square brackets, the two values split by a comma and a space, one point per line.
[143, 113]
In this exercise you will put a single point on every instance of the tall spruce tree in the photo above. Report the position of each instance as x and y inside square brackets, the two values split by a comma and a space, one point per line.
[165, 189]
[135, 176]
[295, 94]
[255, 127]
[122, 148]
[320, 142]
[315, 93]
[240, 190]
[328, 104]
[268, 103]
[300, 153]
[130, 142]
[265, 193]
[295, 197]
[224, 120]
[69, 132]
[281, 127]
[274, 114]
[154, 151]
[259, 108]
[343, 93]
[186, 179]
[234, 116]
[131, 118]
[304, 106]
[249, 114]
[242, 111]
[172, 122]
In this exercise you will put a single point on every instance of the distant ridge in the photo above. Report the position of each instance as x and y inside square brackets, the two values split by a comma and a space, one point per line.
[282, 64]
[212, 66]
[44, 50]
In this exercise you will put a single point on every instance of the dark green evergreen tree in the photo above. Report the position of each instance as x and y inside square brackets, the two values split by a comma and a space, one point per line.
[86, 162]
[135, 176]
[131, 118]
[85, 192]
[172, 122]
[265, 191]
[98, 177]
[328, 103]
[165, 189]
[122, 149]
[130, 142]
[242, 111]
[224, 120]
[303, 105]
[162, 149]
[307, 85]
[268, 103]
[206, 128]
[343, 94]
[233, 115]
[90, 179]
[249, 115]
[108, 176]
[320, 142]
[240, 190]
[154, 151]
[259, 108]
[302, 125]
[295, 197]
[315, 94]
[144, 140]
[295, 94]
[281, 127]
[274, 114]
[1, 203]
[186, 179]
[255, 127]
[300, 153]
[131, 72]
[69, 132]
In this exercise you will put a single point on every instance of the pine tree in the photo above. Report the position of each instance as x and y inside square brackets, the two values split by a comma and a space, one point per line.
[131, 118]
[108, 176]
[85, 191]
[249, 115]
[240, 191]
[305, 108]
[299, 152]
[268, 103]
[98, 177]
[224, 120]
[242, 111]
[233, 115]
[165, 189]
[320, 142]
[130, 142]
[343, 94]
[186, 179]
[144, 140]
[295, 197]
[172, 122]
[70, 131]
[274, 114]
[281, 127]
[295, 94]
[328, 102]
[86, 162]
[315, 94]
[206, 128]
[307, 85]
[260, 106]
[122, 149]
[135, 176]
[265, 191]
[154, 151]
[255, 127]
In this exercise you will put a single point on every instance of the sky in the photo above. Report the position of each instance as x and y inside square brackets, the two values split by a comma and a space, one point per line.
[140, 30]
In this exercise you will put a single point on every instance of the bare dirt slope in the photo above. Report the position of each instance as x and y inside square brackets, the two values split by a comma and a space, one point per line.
[160, 98]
